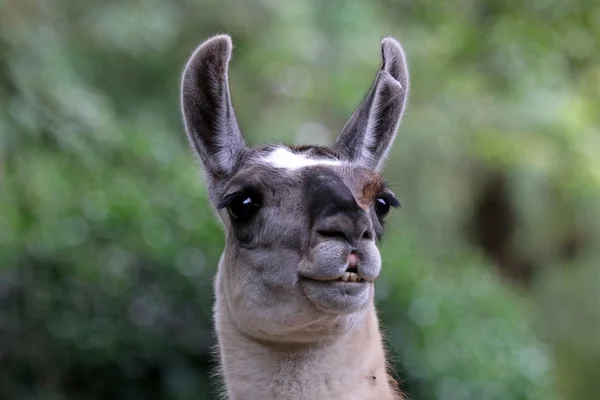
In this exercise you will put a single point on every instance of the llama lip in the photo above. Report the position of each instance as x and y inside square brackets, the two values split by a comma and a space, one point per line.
[350, 272]
[350, 275]
[336, 295]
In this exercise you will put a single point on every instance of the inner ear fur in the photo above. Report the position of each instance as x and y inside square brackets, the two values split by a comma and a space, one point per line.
[371, 130]
[208, 114]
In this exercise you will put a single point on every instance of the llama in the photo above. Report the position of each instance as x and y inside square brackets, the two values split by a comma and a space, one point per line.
[294, 311]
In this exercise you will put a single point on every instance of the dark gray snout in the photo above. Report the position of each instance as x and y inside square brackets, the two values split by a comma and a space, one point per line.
[334, 212]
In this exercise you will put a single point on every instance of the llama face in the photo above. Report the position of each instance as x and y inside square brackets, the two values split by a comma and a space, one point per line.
[302, 223]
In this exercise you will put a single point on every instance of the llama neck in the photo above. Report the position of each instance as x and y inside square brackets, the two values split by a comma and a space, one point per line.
[350, 367]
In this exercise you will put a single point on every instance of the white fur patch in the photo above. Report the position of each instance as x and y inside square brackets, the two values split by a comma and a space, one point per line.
[284, 158]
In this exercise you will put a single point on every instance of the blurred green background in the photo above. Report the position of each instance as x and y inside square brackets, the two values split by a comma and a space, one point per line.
[491, 283]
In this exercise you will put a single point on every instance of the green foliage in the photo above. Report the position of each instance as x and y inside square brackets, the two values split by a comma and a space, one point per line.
[108, 245]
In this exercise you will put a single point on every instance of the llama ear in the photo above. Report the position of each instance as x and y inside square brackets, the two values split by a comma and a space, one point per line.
[208, 115]
[371, 130]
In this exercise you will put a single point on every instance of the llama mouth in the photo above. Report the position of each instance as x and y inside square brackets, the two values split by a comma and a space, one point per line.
[351, 277]
[351, 274]
[348, 277]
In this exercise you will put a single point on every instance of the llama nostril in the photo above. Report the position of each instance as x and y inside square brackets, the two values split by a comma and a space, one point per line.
[332, 234]
[352, 237]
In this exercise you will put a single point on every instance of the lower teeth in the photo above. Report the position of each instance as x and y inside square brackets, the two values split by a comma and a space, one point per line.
[350, 277]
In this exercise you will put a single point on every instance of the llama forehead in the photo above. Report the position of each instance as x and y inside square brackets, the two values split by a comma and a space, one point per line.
[280, 171]
[285, 158]
[283, 170]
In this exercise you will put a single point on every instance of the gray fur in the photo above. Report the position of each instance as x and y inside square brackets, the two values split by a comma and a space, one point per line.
[275, 287]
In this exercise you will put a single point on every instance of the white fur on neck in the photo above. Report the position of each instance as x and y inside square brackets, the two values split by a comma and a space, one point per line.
[285, 159]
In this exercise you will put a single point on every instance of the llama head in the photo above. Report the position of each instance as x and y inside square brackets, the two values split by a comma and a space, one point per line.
[302, 223]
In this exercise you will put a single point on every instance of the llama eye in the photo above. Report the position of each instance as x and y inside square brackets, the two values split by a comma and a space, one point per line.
[243, 207]
[382, 207]
[383, 204]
